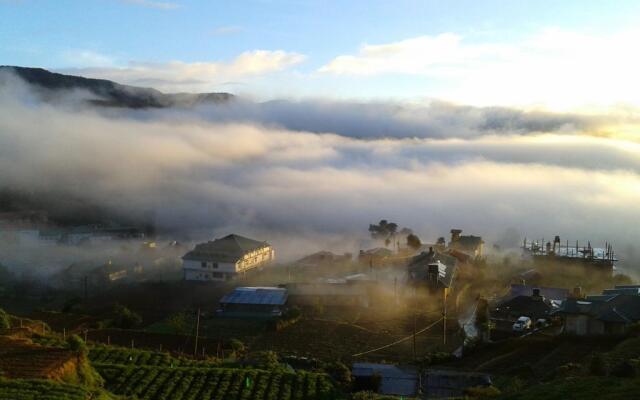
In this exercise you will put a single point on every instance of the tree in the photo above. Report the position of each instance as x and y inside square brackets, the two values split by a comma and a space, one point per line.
[413, 241]
[5, 320]
[340, 372]
[5, 275]
[384, 230]
[178, 322]
[266, 360]
[124, 318]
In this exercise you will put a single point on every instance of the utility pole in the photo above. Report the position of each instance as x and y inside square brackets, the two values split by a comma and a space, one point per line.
[86, 291]
[444, 316]
[195, 350]
[414, 336]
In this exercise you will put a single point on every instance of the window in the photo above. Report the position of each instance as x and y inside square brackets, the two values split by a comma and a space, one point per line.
[203, 264]
[215, 265]
[217, 275]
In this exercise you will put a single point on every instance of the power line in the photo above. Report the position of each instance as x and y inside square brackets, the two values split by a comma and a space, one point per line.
[398, 341]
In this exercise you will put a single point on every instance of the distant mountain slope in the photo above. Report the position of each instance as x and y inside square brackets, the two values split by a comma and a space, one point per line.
[111, 93]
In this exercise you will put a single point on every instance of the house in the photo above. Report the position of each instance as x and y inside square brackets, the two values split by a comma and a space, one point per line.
[623, 289]
[549, 293]
[385, 379]
[254, 302]
[224, 258]
[376, 257]
[534, 306]
[432, 270]
[600, 315]
[471, 245]
[444, 384]
[352, 291]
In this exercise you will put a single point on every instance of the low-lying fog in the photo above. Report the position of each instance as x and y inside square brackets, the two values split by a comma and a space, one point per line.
[311, 175]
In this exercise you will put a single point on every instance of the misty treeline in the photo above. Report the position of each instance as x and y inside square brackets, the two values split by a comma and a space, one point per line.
[63, 209]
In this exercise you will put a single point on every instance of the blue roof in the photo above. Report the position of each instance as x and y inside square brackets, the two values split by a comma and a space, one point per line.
[256, 295]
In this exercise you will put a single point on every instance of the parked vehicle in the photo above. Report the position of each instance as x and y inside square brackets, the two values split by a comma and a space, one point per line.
[522, 324]
[542, 323]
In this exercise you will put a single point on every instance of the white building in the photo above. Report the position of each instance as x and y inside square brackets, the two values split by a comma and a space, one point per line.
[222, 259]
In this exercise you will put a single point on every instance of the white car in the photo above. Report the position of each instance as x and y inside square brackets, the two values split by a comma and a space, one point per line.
[522, 324]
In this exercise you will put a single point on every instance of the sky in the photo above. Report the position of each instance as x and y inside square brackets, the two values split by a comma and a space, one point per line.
[568, 55]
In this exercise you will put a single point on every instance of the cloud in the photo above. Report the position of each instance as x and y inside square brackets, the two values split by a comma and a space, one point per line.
[227, 30]
[178, 75]
[87, 59]
[555, 68]
[163, 5]
[215, 176]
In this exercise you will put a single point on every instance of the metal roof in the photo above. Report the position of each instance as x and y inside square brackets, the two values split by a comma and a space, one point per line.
[396, 380]
[256, 295]
[230, 248]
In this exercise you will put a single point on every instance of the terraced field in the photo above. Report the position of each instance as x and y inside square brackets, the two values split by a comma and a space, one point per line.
[20, 389]
[20, 358]
[119, 355]
[180, 383]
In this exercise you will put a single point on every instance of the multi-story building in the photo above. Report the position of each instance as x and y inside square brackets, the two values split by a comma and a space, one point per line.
[223, 259]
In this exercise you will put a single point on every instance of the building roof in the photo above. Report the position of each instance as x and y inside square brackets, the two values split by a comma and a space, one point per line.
[419, 267]
[550, 293]
[256, 295]
[467, 243]
[631, 290]
[230, 248]
[618, 308]
[525, 305]
[378, 252]
[396, 380]
[446, 383]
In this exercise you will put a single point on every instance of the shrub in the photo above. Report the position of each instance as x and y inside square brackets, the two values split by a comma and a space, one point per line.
[5, 320]
[76, 344]
[598, 365]
[293, 313]
[482, 392]
[340, 372]
[237, 347]
[124, 318]
[569, 369]
[179, 323]
[624, 369]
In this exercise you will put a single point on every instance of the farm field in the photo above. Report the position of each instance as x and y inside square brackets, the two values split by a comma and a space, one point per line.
[159, 383]
[118, 355]
[20, 358]
[580, 388]
[21, 389]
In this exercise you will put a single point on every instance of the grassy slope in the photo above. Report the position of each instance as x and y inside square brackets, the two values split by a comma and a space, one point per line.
[581, 388]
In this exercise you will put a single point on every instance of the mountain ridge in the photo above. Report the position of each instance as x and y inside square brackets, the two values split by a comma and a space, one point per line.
[110, 93]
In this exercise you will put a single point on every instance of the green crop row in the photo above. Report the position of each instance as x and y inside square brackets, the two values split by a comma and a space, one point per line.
[118, 355]
[181, 383]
